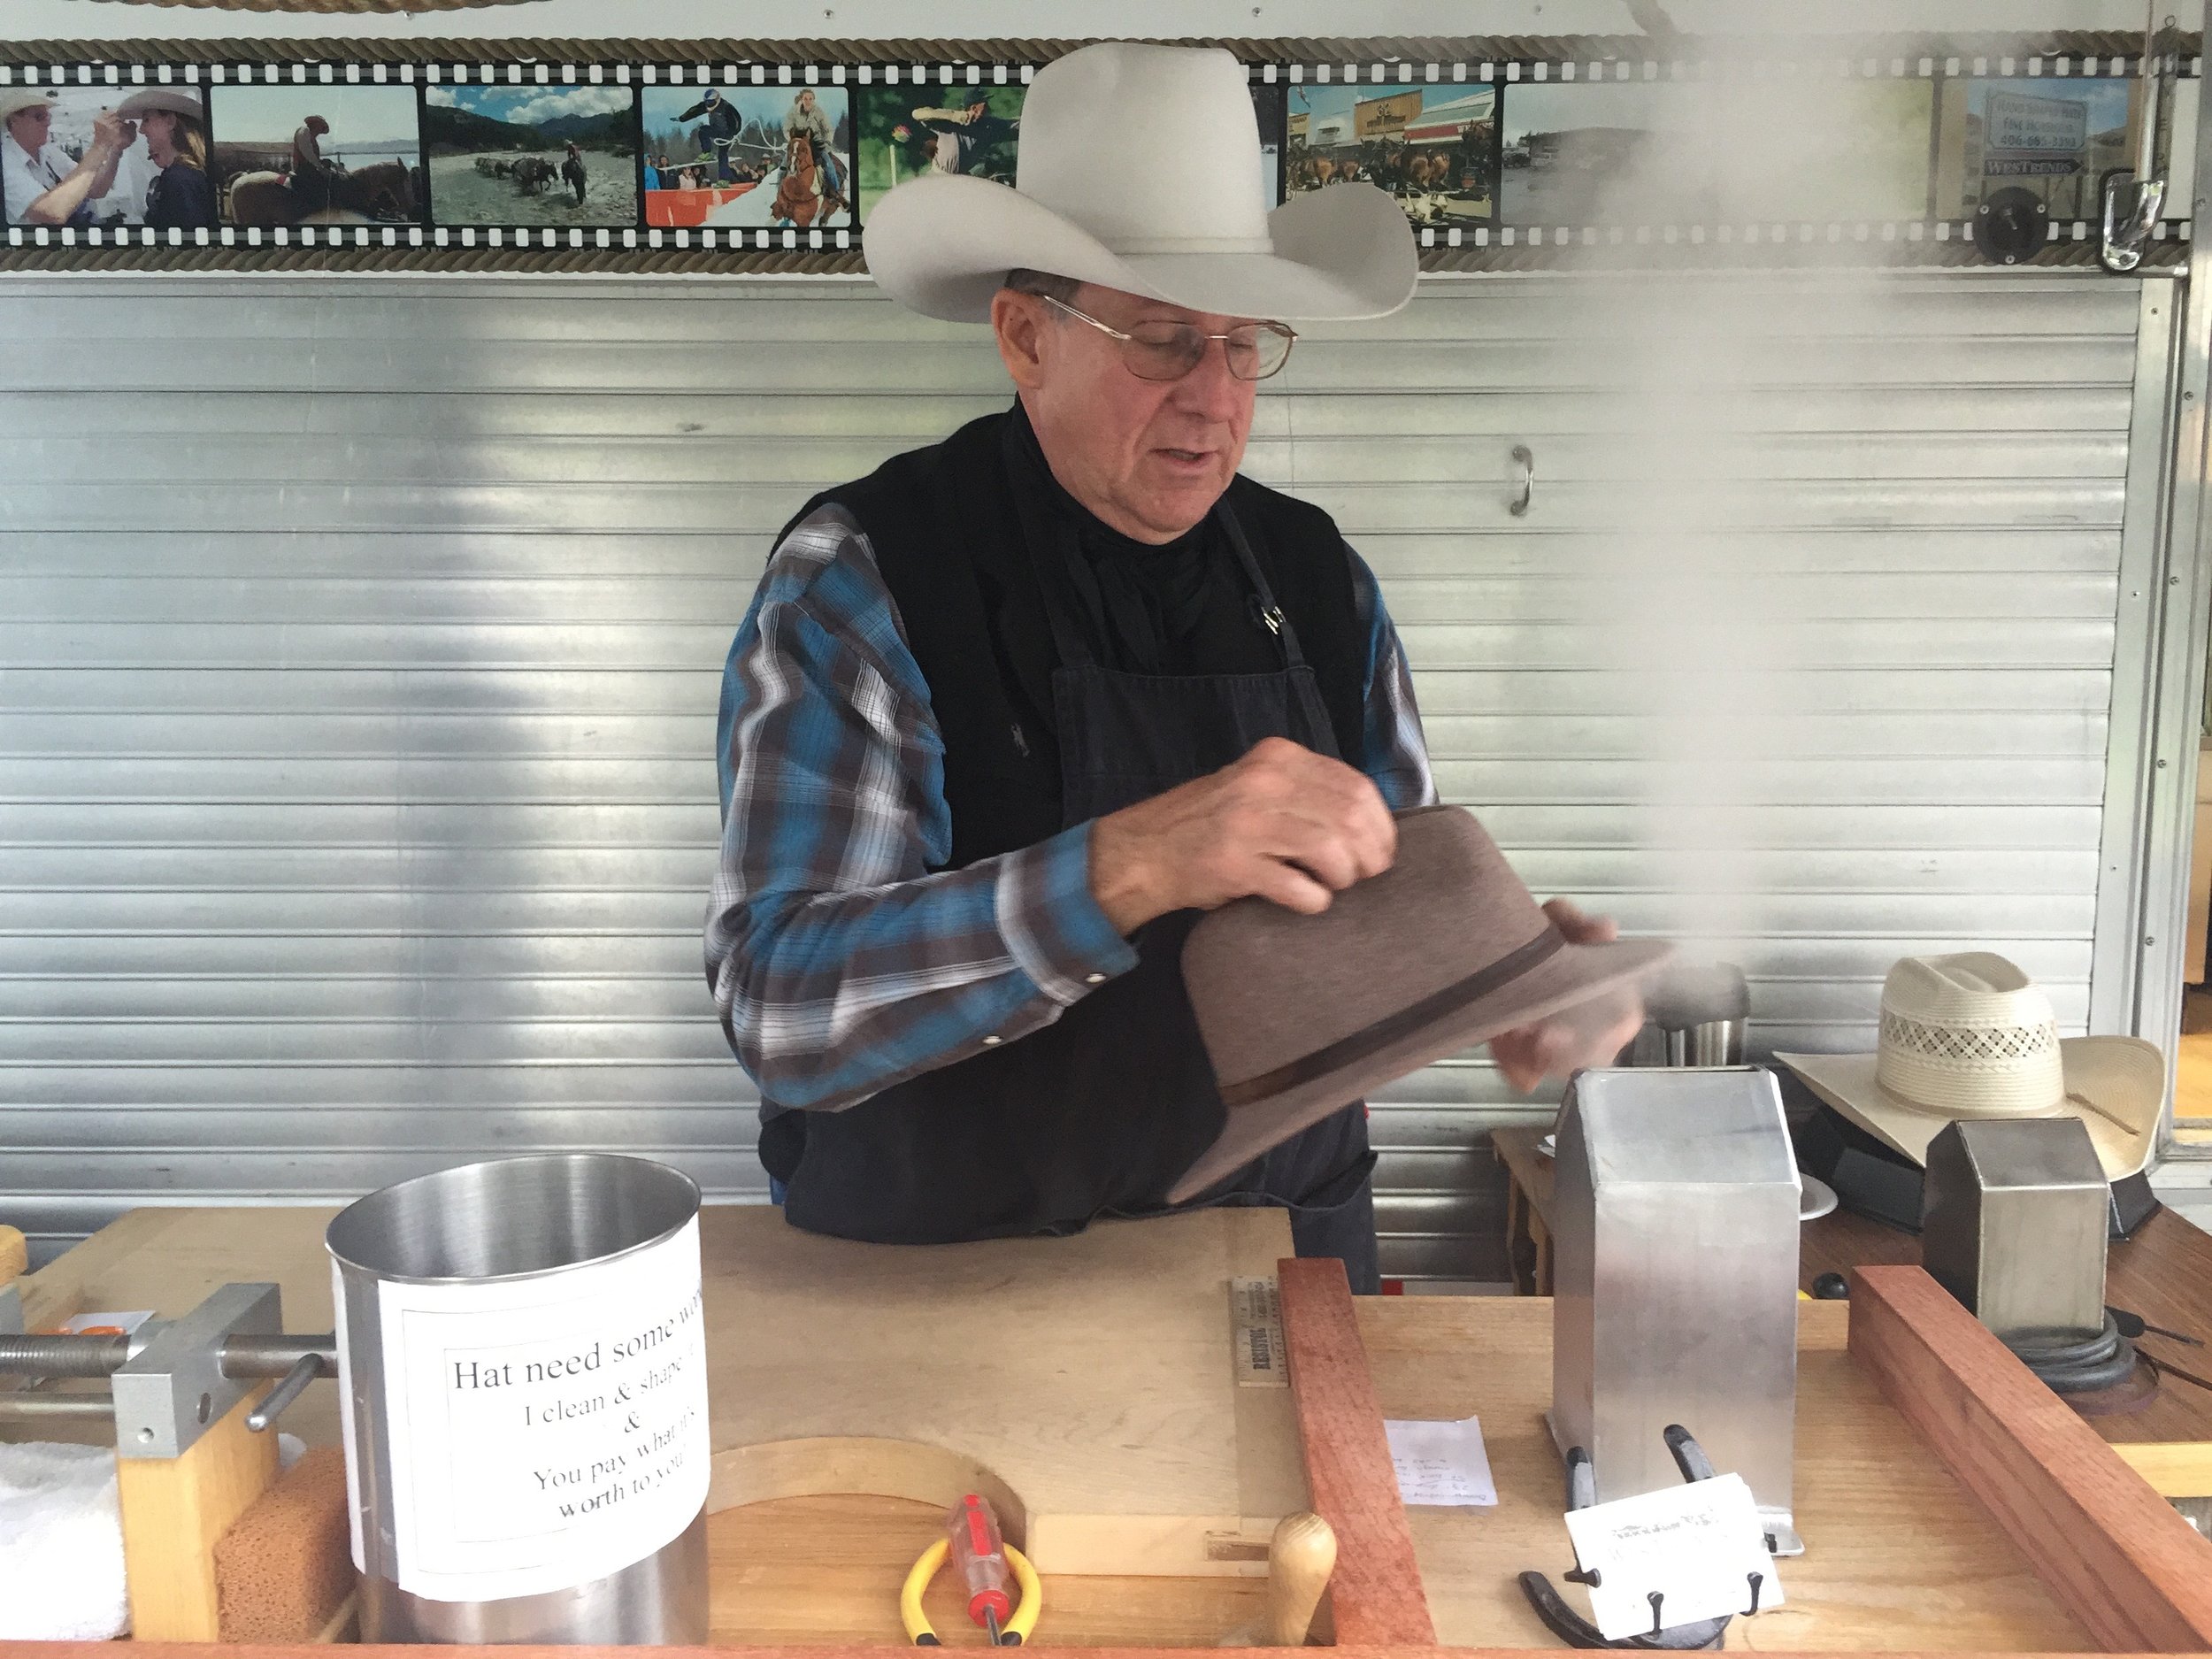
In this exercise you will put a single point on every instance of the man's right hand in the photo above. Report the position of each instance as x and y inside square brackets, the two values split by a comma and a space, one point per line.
[1284, 823]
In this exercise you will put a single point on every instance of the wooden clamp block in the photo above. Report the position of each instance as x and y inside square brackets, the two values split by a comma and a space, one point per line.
[174, 1510]
[1375, 1593]
[2113, 1553]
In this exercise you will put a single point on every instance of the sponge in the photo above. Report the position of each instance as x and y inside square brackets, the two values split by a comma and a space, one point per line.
[286, 1565]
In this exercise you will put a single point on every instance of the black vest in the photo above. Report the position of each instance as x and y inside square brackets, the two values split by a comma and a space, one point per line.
[1098, 1113]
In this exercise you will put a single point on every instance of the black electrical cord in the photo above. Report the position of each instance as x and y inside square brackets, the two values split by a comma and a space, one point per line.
[2071, 1364]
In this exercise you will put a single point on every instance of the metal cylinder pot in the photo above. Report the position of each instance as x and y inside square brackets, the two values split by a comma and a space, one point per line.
[523, 1370]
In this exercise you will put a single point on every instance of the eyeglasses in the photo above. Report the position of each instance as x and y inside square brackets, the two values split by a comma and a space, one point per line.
[1168, 351]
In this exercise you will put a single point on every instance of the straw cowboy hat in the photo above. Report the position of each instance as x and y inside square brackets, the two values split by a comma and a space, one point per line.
[1970, 1036]
[1302, 1014]
[15, 100]
[167, 98]
[1139, 169]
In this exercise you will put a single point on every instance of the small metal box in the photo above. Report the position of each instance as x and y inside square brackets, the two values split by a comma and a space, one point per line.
[2013, 1223]
[1675, 1246]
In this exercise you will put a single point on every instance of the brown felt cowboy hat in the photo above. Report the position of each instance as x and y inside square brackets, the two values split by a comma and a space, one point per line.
[1445, 948]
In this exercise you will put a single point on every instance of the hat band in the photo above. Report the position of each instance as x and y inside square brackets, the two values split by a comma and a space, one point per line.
[1372, 1039]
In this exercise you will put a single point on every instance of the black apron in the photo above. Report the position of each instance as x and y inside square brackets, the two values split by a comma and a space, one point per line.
[1097, 1114]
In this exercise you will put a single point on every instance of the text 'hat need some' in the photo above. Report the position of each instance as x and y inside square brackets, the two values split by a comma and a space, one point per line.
[1303, 1014]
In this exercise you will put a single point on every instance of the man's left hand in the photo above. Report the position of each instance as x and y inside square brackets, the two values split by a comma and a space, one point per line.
[1590, 1035]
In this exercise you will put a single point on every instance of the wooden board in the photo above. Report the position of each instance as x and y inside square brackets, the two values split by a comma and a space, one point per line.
[1899, 1556]
[1375, 1594]
[1090, 1377]
[2127, 1566]
[174, 1509]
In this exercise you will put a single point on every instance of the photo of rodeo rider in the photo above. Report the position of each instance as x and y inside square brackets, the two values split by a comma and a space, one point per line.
[955, 140]
[809, 121]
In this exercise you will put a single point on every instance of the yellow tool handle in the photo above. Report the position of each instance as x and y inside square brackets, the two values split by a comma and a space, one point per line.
[922, 1634]
[15, 1255]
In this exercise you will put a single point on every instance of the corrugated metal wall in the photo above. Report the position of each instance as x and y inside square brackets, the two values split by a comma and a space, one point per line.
[359, 642]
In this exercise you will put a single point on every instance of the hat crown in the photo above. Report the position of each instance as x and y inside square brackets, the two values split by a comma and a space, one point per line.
[1969, 1035]
[1270, 985]
[1150, 149]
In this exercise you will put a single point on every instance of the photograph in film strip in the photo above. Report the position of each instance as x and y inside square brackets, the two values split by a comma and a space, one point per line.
[317, 154]
[1433, 148]
[1831, 149]
[749, 157]
[83, 157]
[553, 154]
[631, 156]
[907, 131]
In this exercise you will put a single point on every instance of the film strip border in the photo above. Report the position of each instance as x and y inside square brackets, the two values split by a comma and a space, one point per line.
[647, 248]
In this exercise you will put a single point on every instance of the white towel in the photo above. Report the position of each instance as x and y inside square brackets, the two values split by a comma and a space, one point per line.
[61, 1545]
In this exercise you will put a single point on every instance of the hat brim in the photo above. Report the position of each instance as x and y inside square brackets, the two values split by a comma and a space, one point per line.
[1567, 978]
[15, 102]
[942, 246]
[2123, 1079]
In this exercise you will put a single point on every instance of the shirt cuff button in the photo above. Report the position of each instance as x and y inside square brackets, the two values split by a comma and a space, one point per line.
[1094, 979]
[992, 1042]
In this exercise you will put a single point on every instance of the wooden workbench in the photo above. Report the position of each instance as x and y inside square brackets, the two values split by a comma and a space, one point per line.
[1899, 1556]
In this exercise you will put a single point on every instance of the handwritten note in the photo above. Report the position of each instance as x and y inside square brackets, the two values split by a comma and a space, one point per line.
[1695, 1546]
[1441, 1464]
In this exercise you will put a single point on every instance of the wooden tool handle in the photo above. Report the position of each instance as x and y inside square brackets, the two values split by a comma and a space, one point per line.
[15, 1255]
[1299, 1558]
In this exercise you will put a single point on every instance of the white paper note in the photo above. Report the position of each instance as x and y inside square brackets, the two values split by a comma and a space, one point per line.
[1695, 1545]
[1441, 1464]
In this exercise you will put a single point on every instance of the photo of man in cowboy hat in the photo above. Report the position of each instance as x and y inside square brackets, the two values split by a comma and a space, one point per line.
[1008, 715]
[45, 182]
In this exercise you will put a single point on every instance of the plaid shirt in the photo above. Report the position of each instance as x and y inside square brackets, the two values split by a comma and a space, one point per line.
[841, 965]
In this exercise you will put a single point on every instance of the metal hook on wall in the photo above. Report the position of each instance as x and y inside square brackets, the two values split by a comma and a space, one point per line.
[1525, 458]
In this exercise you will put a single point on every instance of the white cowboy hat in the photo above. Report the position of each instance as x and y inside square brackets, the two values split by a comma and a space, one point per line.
[1970, 1036]
[15, 100]
[162, 98]
[1139, 169]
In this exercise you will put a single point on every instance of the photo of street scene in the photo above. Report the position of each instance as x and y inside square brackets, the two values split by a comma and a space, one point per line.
[749, 157]
[532, 155]
[1433, 148]
[2054, 137]
[312, 155]
[1641, 152]
[99, 157]
[907, 131]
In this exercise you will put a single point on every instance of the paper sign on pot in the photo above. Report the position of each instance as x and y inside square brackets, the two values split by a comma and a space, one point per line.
[545, 1431]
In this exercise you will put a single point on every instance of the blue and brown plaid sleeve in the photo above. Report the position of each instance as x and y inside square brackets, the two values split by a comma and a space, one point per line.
[1396, 755]
[839, 963]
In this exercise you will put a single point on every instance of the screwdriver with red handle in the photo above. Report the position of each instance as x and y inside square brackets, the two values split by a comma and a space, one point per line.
[980, 1555]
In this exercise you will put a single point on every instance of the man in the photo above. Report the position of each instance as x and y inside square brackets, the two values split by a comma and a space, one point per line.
[1005, 717]
[723, 123]
[44, 185]
[573, 170]
[312, 175]
[808, 118]
[958, 136]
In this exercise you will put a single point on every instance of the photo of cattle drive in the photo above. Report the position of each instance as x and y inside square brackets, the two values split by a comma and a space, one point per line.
[1433, 148]
[749, 158]
[532, 155]
[312, 155]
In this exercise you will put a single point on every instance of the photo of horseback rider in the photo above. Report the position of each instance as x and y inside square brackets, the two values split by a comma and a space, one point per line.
[723, 123]
[310, 177]
[572, 170]
[808, 119]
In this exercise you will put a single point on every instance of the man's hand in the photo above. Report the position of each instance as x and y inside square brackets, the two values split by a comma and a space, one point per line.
[1284, 823]
[1590, 1035]
[112, 135]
